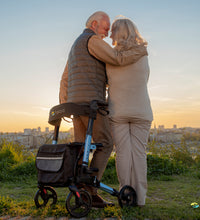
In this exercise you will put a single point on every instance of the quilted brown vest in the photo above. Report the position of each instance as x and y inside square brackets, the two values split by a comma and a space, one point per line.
[86, 74]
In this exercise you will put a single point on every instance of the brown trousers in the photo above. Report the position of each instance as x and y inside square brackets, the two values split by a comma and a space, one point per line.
[101, 134]
[130, 139]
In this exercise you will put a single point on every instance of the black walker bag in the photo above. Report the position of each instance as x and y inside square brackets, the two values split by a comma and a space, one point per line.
[55, 163]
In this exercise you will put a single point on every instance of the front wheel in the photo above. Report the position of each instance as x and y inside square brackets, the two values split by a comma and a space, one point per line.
[78, 204]
[127, 197]
[44, 195]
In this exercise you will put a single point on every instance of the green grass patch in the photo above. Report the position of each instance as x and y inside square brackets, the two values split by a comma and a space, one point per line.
[165, 200]
[172, 186]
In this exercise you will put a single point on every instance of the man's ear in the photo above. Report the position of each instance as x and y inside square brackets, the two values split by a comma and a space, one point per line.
[94, 24]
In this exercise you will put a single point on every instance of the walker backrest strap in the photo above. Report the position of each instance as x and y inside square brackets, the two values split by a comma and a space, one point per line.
[66, 110]
[75, 109]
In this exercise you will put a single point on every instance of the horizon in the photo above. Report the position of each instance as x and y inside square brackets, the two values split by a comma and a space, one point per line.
[36, 37]
[66, 128]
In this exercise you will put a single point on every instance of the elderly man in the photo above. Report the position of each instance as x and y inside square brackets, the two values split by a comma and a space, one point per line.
[84, 80]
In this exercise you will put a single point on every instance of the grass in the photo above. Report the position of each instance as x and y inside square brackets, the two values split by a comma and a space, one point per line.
[168, 199]
[173, 184]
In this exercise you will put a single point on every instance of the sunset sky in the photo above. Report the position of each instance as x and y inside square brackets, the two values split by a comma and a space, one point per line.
[36, 36]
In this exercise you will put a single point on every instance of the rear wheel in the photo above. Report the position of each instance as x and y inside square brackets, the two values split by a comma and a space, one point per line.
[127, 197]
[44, 195]
[78, 204]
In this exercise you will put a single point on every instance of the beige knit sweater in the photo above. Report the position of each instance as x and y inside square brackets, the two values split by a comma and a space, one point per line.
[128, 94]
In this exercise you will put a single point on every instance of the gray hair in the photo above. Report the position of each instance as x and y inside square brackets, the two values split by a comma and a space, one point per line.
[97, 16]
[126, 33]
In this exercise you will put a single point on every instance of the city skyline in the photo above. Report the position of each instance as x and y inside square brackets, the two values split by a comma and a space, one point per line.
[50, 128]
[36, 37]
[33, 138]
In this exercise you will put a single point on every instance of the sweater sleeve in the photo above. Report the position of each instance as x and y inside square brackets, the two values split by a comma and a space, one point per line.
[63, 86]
[104, 52]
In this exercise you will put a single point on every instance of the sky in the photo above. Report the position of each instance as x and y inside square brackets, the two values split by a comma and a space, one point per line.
[36, 37]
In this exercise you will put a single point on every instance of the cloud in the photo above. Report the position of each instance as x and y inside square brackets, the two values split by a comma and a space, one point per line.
[162, 99]
[25, 113]
[170, 112]
[158, 86]
[42, 108]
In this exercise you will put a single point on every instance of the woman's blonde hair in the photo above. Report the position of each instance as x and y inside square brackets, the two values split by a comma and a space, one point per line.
[126, 33]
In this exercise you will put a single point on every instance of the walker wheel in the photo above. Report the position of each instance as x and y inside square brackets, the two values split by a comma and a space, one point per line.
[78, 205]
[44, 195]
[127, 197]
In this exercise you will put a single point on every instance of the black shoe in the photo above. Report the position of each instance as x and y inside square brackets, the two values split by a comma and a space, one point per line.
[98, 202]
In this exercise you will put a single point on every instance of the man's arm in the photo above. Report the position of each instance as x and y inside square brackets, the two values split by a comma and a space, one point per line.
[104, 52]
[63, 86]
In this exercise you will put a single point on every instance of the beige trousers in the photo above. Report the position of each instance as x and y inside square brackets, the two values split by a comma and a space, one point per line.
[101, 134]
[130, 139]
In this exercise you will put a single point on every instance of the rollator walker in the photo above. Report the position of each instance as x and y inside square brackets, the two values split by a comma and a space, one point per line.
[67, 165]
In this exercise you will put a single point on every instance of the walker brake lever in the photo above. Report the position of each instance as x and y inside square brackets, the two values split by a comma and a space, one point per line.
[103, 111]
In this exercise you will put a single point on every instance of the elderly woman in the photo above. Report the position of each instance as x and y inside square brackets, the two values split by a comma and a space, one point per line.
[130, 110]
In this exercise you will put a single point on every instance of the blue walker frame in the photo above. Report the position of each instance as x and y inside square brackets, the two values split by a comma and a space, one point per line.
[127, 195]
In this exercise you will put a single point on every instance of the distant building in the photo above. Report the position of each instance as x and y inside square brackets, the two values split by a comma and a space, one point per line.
[174, 126]
[64, 135]
[34, 131]
[153, 133]
[167, 137]
[27, 131]
[47, 130]
[161, 127]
